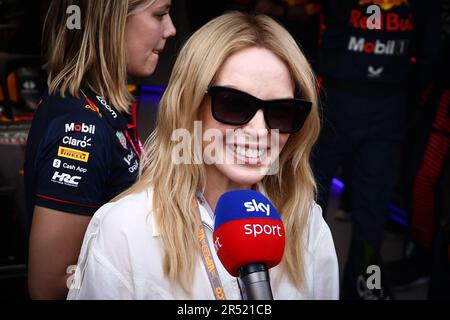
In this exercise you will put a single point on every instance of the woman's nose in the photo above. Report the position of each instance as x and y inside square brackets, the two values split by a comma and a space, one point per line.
[257, 122]
[257, 128]
[170, 30]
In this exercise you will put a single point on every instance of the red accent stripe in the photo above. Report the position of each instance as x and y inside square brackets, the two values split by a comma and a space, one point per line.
[133, 123]
[138, 154]
[137, 144]
[319, 84]
[423, 202]
[134, 113]
[66, 202]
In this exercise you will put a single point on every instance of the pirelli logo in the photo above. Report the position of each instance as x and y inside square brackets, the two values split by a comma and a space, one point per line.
[73, 154]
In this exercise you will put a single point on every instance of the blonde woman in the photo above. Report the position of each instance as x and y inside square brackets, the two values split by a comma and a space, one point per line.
[232, 79]
[82, 150]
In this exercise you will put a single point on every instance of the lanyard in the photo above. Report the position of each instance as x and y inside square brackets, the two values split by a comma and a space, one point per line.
[206, 254]
[138, 152]
[133, 126]
[138, 148]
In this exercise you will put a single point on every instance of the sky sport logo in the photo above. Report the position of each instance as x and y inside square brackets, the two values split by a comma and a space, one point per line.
[73, 154]
[253, 206]
[256, 229]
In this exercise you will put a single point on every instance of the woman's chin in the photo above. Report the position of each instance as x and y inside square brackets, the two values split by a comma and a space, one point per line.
[243, 174]
[143, 71]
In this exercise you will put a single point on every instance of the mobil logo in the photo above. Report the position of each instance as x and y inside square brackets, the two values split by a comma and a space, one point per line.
[80, 127]
[390, 47]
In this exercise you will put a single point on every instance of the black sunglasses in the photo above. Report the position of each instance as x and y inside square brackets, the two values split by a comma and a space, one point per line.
[234, 107]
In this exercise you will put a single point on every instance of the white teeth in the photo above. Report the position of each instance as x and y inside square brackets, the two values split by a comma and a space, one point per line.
[249, 153]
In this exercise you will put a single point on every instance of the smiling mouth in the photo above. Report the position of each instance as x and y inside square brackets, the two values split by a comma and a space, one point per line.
[248, 152]
[249, 155]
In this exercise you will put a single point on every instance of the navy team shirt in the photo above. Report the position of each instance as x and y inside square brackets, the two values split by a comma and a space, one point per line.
[80, 154]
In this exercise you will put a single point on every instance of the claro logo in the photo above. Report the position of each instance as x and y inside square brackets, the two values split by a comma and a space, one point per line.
[77, 143]
[253, 206]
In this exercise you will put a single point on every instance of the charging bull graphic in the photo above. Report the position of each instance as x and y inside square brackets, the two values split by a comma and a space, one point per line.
[384, 4]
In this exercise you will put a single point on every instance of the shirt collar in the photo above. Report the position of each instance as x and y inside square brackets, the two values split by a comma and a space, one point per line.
[115, 118]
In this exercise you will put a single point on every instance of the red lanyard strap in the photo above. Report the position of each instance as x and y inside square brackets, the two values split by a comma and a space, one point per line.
[138, 152]
[138, 148]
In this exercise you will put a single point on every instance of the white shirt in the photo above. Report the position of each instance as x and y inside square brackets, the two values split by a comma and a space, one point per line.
[121, 258]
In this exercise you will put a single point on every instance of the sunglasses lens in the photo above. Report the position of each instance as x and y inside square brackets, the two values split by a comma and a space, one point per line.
[287, 116]
[231, 108]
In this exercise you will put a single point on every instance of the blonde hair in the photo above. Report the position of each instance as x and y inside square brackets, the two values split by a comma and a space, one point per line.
[292, 190]
[93, 56]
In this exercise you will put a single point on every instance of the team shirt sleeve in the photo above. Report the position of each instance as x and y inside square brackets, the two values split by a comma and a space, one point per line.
[73, 165]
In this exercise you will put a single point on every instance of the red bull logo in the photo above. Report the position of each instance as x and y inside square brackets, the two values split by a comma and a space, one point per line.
[384, 4]
[91, 106]
[389, 21]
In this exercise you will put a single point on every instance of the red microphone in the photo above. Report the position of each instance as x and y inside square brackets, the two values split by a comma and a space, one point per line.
[249, 239]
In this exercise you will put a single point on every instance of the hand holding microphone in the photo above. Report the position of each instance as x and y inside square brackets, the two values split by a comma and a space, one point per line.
[249, 240]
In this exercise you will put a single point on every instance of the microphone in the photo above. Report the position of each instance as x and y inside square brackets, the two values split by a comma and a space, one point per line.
[249, 240]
